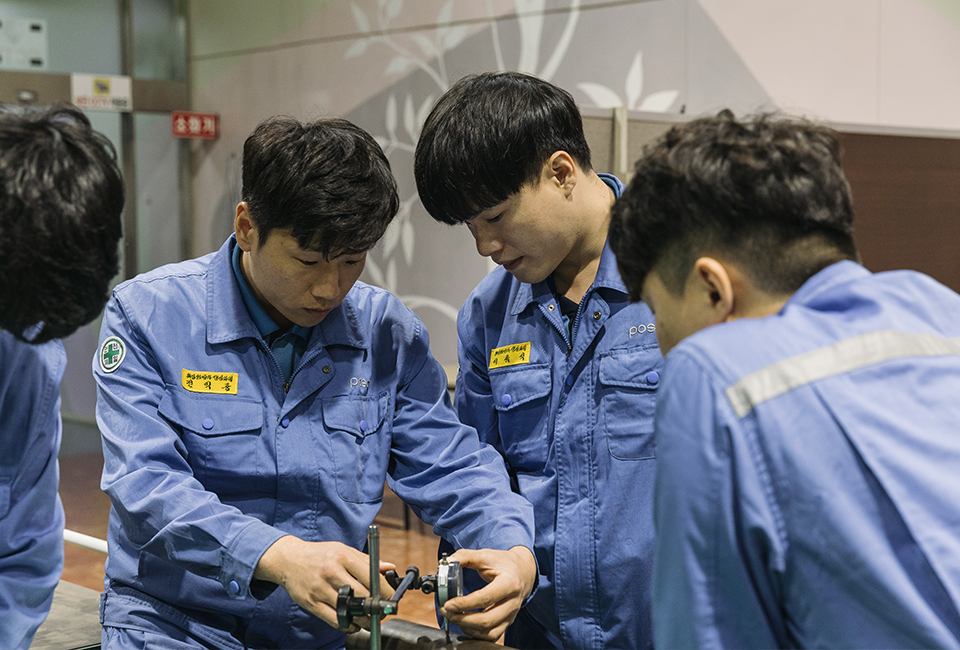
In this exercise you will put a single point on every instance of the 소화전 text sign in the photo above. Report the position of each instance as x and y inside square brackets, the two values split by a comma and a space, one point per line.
[185, 124]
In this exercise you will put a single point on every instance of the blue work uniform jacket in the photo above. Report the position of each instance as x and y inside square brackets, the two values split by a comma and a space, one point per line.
[573, 420]
[808, 490]
[208, 461]
[31, 515]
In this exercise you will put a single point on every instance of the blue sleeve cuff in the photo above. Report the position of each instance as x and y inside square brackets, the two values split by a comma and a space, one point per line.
[239, 562]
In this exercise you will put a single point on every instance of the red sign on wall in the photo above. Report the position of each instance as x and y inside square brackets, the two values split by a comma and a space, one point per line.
[185, 124]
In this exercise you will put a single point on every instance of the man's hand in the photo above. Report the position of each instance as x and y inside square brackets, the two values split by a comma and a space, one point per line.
[511, 576]
[313, 572]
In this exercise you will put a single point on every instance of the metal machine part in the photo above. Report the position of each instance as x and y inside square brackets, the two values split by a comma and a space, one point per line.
[373, 606]
[399, 634]
[447, 584]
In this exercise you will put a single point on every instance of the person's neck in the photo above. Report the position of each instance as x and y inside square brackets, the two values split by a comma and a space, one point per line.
[576, 273]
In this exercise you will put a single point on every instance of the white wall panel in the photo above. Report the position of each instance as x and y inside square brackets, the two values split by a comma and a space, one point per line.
[920, 66]
[818, 57]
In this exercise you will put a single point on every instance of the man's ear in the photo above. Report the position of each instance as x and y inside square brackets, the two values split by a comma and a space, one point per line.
[243, 227]
[561, 170]
[716, 284]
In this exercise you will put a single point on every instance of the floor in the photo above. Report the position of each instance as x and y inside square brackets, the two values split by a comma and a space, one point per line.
[88, 509]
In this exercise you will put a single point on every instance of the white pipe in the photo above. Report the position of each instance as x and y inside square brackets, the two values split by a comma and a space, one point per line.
[85, 541]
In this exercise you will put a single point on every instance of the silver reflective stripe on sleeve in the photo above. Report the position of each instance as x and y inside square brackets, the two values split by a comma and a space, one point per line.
[843, 356]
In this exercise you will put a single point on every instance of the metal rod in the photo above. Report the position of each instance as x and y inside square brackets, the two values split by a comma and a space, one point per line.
[373, 547]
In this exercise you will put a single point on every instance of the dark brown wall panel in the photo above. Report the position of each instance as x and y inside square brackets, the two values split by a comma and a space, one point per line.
[906, 193]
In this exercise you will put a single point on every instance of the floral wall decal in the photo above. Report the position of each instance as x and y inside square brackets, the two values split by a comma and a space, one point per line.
[603, 97]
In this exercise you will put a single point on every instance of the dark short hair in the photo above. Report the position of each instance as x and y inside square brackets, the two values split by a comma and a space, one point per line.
[61, 199]
[327, 182]
[767, 192]
[489, 135]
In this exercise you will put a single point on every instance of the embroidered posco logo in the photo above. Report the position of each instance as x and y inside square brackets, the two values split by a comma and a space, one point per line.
[641, 329]
[112, 353]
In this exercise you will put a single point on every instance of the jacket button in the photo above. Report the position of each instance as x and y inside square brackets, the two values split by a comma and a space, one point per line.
[569, 380]
[285, 422]
[234, 587]
[597, 315]
[653, 376]
[506, 399]
[551, 307]
[326, 370]
[363, 425]
[208, 424]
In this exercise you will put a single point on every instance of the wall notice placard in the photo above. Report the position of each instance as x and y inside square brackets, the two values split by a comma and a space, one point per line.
[101, 92]
[23, 44]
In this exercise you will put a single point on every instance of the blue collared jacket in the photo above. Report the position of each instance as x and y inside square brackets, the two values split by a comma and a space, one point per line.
[31, 515]
[808, 491]
[574, 424]
[208, 461]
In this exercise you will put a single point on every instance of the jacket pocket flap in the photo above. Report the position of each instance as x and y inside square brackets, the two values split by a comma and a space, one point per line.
[515, 386]
[631, 368]
[211, 416]
[358, 415]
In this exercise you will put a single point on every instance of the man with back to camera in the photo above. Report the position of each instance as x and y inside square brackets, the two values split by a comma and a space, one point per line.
[558, 369]
[252, 403]
[61, 195]
[806, 426]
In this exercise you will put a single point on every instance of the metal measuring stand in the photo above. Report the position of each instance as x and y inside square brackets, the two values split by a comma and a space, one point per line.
[373, 548]
[446, 583]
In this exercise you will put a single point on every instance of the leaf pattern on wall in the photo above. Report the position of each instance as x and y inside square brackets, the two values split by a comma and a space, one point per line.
[418, 62]
[604, 97]
[428, 56]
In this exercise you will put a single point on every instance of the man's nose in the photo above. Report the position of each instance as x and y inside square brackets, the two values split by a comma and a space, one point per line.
[327, 285]
[487, 242]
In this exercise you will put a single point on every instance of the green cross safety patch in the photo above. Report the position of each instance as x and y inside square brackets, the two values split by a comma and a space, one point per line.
[112, 353]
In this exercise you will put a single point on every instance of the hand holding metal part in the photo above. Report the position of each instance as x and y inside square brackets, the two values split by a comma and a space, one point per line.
[510, 575]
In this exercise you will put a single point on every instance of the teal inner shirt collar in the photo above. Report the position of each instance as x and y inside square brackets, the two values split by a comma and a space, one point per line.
[265, 325]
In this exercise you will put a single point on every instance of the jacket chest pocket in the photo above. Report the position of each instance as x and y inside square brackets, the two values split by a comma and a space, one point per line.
[521, 397]
[360, 445]
[627, 383]
[221, 436]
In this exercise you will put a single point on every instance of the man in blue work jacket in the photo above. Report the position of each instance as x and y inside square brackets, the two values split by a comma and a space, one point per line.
[61, 195]
[806, 430]
[252, 403]
[558, 369]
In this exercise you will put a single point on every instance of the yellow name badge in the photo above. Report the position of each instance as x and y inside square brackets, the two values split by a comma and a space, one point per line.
[510, 355]
[220, 383]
